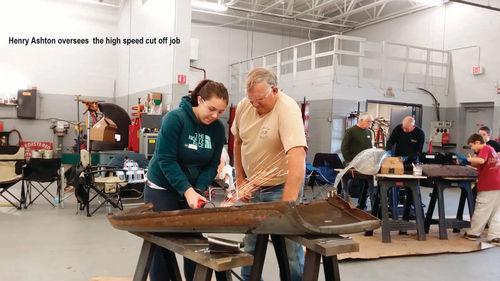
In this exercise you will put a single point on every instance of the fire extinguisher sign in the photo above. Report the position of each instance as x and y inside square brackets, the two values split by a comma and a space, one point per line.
[181, 79]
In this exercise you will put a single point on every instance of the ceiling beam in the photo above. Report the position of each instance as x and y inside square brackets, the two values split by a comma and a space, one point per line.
[380, 10]
[232, 2]
[351, 6]
[392, 15]
[295, 25]
[360, 9]
[322, 5]
[272, 6]
[289, 7]
[287, 17]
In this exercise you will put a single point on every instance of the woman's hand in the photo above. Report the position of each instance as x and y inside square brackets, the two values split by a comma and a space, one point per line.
[192, 198]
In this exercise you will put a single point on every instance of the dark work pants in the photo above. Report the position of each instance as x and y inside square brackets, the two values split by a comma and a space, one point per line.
[166, 200]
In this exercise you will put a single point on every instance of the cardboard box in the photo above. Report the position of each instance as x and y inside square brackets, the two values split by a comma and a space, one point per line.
[156, 96]
[104, 130]
[392, 165]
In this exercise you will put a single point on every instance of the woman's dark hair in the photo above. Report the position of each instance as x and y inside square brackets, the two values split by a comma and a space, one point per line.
[208, 88]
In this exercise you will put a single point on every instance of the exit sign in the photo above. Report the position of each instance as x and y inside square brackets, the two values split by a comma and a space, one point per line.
[476, 70]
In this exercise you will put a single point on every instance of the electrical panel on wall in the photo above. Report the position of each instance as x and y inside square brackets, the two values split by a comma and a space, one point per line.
[438, 128]
[26, 100]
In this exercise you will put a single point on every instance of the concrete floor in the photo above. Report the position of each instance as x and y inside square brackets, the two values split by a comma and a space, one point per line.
[46, 243]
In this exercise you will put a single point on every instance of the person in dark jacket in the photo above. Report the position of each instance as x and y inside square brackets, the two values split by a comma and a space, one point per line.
[485, 132]
[185, 161]
[408, 139]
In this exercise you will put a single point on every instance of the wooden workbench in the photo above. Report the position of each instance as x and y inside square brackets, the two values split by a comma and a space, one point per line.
[192, 247]
[318, 247]
[395, 181]
[326, 248]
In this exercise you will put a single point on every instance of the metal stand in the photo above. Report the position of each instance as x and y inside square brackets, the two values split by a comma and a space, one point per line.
[78, 134]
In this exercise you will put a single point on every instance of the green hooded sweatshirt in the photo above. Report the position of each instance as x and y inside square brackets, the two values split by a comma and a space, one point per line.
[187, 151]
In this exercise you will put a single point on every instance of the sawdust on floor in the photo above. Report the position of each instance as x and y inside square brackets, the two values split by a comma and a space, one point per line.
[371, 247]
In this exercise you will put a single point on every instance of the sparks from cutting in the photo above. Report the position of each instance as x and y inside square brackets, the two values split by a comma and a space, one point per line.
[262, 176]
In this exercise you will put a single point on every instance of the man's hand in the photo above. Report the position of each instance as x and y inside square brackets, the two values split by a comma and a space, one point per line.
[192, 198]
[475, 161]
[238, 168]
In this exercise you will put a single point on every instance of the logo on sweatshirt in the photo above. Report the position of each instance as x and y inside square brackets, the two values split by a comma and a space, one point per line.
[200, 141]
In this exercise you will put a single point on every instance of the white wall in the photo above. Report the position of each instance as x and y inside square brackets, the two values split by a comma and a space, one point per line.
[153, 67]
[123, 51]
[116, 74]
[481, 28]
[89, 69]
[448, 27]
[221, 46]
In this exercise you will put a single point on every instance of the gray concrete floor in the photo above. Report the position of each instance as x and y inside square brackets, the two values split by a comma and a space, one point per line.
[47, 243]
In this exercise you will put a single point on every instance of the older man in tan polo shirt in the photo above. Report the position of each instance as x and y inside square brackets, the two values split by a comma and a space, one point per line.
[269, 151]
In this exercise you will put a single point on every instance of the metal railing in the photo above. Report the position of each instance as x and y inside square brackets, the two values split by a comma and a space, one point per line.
[354, 61]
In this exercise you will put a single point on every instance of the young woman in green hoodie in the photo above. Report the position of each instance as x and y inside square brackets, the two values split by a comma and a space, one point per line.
[185, 161]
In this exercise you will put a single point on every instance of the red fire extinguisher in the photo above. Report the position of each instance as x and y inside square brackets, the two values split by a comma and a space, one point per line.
[445, 137]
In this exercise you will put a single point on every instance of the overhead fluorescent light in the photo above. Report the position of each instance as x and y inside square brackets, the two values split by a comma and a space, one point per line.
[208, 6]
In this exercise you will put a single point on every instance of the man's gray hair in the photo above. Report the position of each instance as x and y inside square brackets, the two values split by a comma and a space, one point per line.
[410, 118]
[261, 74]
[363, 116]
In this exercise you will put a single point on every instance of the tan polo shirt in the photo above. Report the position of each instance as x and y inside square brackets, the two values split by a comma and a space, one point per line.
[267, 138]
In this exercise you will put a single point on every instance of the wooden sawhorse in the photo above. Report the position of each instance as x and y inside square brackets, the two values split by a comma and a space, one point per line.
[439, 185]
[326, 247]
[193, 248]
[387, 182]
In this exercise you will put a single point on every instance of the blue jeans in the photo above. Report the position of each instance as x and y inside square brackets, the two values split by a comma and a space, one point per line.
[294, 251]
[166, 200]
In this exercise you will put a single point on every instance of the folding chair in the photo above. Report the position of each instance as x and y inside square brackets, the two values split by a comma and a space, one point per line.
[39, 175]
[93, 183]
[11, 169]
[321, 174]
[99, 185]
